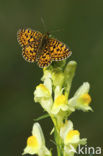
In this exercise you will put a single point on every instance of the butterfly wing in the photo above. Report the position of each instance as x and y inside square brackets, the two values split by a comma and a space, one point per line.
[44, 59]
[30, 42]
[29, 53]
[53, 51]
[58, 50]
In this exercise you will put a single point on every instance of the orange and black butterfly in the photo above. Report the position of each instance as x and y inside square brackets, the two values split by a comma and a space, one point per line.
[40, 48]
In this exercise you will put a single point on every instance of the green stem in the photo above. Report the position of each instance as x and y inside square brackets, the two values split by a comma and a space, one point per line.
[58, 143]
[57, 137]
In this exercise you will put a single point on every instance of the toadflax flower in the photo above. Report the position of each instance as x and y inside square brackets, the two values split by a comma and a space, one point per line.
[71, 138]
[60, 109]
[60, 104]
[81, 99]
[43, 93]
[36, 142]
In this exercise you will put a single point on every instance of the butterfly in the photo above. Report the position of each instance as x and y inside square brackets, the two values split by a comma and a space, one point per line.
[41, 48]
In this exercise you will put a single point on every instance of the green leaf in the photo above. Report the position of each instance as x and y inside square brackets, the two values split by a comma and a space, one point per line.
[42, 117]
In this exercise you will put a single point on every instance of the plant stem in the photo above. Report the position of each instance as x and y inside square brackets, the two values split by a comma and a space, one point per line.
[57, 137]
[58, 143]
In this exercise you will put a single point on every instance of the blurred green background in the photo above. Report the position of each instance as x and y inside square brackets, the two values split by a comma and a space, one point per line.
[81, 27]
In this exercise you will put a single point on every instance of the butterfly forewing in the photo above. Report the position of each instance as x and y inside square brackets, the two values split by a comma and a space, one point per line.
[30, 41]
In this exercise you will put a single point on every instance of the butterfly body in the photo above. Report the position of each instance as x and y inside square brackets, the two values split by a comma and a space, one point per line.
[40, 48]
[43, 43]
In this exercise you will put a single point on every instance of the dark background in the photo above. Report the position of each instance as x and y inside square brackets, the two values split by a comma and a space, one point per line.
[81, 27]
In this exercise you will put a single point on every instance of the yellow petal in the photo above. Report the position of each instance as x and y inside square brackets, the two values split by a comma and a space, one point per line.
[71, 134]
[85, 98]
[60, 100]
[43, 90]
[32, 142]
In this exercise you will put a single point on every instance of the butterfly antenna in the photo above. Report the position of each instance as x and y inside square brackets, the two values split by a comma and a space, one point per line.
[43, 23]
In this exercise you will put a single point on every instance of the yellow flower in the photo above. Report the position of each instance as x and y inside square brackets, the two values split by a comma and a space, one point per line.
[36, 142]
[60, 103]
[81, 100]
[43, 95]
[70, 137]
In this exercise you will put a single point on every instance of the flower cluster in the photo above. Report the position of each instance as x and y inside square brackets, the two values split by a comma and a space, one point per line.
[53, 95]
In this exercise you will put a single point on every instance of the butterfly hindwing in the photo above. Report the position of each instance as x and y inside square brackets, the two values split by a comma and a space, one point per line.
[29, 53]
[58, 50]
[44, 59]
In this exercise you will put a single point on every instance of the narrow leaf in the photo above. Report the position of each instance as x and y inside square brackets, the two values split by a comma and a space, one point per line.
[42, 117]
